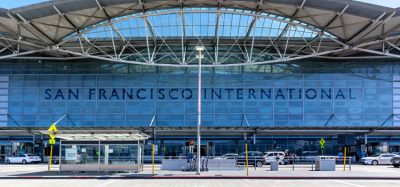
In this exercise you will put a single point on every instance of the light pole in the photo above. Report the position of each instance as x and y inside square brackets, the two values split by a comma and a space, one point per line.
[199, 56]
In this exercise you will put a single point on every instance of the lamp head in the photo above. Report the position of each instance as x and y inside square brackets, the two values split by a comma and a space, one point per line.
[199, 48]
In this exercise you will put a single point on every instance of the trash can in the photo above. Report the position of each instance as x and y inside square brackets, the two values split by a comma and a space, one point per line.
[274, 165]
[325, 163]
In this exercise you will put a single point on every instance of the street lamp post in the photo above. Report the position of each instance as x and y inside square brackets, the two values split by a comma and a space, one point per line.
[200, 56]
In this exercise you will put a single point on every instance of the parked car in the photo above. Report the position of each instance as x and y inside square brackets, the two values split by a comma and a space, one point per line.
[275, 156]
[395, 161]
[376, 159]
[23, 159]
[230, 156]
[255, 158]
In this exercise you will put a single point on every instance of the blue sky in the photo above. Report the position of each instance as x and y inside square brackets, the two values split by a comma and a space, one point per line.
[17, 3]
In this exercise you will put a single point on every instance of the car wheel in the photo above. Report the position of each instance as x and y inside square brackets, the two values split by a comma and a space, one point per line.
[8, 161]
[24, 162]
[259, 164]
[396, 165]
[375, 162]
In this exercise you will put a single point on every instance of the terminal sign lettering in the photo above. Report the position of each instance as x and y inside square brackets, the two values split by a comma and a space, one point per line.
[207, 93]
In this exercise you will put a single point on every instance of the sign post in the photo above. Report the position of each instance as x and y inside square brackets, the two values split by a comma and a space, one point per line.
[52, 131]
[247, 161]
[152, 159]
[344, 158]
[322, 144]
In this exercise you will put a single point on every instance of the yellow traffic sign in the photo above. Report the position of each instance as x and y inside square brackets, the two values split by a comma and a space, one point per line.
[53, 128]
[52, 141]
[322, 143]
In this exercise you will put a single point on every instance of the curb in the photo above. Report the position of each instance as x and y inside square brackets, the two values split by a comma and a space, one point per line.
[202, 177]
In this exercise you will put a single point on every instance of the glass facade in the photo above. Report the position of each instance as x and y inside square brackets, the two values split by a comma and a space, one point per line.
[316, 92]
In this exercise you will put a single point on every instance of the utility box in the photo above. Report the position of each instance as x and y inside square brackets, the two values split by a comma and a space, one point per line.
[274, 165]
[325, 163]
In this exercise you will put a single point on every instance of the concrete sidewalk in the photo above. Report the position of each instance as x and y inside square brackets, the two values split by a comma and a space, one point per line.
[358, 172]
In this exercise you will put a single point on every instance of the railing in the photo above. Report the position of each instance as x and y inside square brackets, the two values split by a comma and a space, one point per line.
[293, 162]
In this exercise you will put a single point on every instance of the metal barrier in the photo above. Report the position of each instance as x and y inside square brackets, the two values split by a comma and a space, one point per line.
[220, 164]
[309, 162]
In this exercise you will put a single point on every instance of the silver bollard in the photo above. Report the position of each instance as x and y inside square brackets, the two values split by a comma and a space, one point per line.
[293, 163]
[350, 163]
[312, 165]
[255, 163]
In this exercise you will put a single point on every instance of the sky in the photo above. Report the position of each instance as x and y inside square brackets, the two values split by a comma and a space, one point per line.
[17, 3]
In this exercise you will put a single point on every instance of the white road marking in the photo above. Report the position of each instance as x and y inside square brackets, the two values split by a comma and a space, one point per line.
[108, 183]
[348, 183]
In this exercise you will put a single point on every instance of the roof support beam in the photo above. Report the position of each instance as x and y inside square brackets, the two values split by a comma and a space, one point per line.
[103, 10]
[35, 32]
[338, 14]
[216, 33]
[148, 28]
[288, 25]
[291, 19]
[25, 21]
[66, 18]
[253, 21]
[183, 47]
[366, 29]
[21, 54]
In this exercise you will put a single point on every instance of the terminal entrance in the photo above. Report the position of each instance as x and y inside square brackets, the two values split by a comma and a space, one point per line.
[297, 145]
[16, 148]
[203, 150]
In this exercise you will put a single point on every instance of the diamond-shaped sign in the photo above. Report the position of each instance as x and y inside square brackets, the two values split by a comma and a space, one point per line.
[52, 141]
[322, 143]
[53, 128]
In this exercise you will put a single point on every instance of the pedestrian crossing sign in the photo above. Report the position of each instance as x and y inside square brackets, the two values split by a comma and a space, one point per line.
[322, 143]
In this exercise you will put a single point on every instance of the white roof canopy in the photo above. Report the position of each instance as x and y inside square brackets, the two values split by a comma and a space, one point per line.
[98, 135]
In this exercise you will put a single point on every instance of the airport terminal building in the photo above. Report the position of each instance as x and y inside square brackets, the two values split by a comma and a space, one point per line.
[277, 75]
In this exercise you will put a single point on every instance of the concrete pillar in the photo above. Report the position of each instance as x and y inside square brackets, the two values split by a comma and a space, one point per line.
[139, 153]
[106, 152]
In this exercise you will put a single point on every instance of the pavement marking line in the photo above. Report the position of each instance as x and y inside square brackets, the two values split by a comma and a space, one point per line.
[105, 184]
[348, 183]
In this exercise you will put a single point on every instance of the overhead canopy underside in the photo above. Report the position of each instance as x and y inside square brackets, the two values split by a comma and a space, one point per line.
[118, 133]
[165, 32]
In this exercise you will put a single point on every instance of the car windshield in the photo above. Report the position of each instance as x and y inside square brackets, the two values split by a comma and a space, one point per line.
[249, 154]
[375, 155]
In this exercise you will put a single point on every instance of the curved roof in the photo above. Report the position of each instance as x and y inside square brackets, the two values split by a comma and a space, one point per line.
[352, 26]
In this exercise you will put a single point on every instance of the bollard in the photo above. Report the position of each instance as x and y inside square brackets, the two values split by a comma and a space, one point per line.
[312, 165]
[292, 162]
[350, 163]
[255, 163]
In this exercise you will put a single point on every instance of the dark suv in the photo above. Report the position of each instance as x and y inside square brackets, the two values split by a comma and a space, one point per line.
[255, 158]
